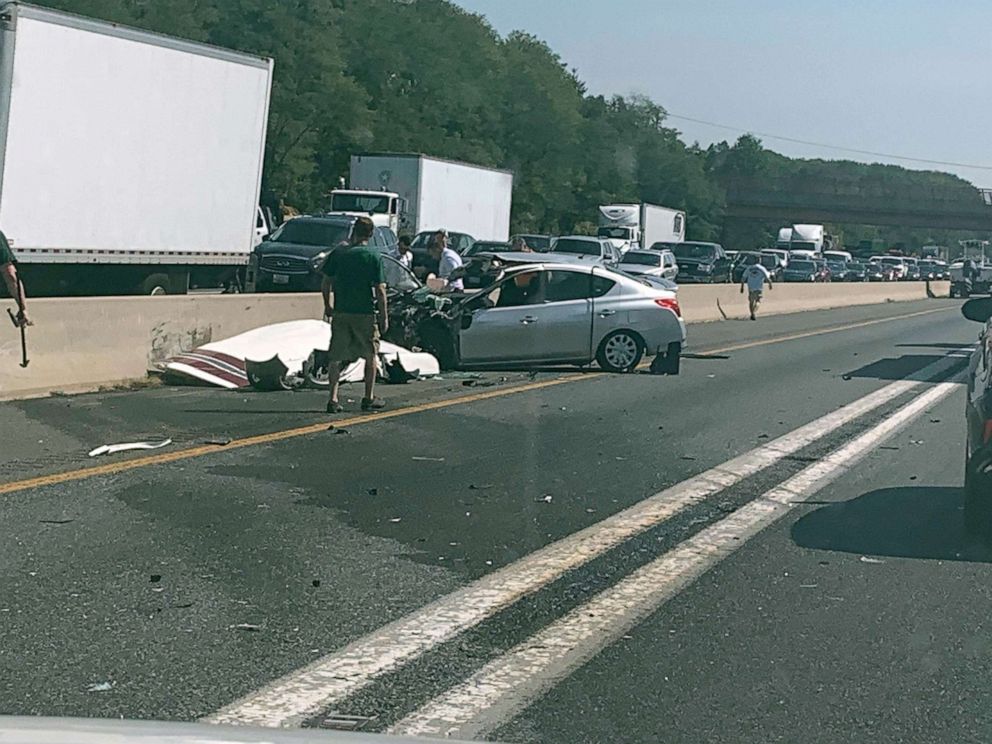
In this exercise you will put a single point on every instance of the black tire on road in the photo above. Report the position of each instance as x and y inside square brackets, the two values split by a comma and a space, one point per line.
[620, 351]
[977, 504]
[156, 284]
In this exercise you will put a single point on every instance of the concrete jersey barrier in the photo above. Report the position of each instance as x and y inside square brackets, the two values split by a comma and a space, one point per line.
[83, 344]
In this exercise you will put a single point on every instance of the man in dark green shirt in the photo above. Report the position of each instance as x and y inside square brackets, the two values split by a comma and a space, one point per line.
[8, 267]
[354, 272]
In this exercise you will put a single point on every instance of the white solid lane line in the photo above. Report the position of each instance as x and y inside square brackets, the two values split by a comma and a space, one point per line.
[305, 692]
[504, 687]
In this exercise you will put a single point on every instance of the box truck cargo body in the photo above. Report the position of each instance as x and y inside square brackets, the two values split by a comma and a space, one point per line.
[630, 226]
[435, 193]
[128, 160]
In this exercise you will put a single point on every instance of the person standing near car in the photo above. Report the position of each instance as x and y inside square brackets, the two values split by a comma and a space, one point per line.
[8, 266]
[355, 274]
[448, 260]
[754, 278]
[403, 252]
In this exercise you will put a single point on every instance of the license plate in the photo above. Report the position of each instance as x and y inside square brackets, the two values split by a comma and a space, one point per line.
[280, 279]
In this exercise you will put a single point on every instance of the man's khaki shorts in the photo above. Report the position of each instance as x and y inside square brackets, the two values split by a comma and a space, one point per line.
[353, 337]
[755, 295]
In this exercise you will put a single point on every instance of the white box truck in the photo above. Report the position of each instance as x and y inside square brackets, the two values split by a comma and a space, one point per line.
[630, 226]
[129, 161]
[413, 193]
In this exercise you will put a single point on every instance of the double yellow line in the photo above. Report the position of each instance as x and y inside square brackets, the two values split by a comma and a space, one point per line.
[303, 431]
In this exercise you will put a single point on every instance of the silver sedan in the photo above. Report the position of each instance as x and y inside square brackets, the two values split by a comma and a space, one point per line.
[549, 313]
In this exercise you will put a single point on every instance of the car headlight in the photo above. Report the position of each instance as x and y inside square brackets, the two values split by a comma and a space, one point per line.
[318, 261]
[705, 269]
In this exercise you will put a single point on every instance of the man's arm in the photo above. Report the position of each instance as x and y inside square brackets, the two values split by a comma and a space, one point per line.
[16, 290]
[383, 307]
[325, 289]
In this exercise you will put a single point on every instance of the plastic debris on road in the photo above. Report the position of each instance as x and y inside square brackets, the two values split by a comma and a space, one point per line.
[101, 687]
[299, 346]
[113, 449]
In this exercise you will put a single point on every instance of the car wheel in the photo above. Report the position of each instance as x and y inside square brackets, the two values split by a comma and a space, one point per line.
[621, 351]
[977, 503]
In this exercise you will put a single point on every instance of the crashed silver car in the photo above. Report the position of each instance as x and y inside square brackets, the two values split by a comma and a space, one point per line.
[541, 313]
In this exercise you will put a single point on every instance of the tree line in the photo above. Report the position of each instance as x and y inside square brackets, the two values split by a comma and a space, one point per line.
[427, 76]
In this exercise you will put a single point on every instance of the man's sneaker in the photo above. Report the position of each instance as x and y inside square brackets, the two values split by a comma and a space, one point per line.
[334, 407]
[373, 404]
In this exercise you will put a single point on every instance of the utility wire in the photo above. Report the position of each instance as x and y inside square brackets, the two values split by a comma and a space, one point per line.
[830, 147]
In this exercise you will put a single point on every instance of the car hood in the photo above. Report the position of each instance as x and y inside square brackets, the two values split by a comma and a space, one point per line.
[291, 249]
[695, 261]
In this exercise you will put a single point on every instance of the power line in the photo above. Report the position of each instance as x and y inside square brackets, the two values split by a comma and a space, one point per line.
[839, 148]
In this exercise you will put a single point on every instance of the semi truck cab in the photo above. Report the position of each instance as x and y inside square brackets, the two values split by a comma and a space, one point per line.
[385, 208]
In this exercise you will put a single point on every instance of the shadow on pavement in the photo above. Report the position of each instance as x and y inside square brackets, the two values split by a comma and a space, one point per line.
[897, 369]
[925, 522]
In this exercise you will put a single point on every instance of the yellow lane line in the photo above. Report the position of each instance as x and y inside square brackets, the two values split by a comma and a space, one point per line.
[278, 436]
[302, 431]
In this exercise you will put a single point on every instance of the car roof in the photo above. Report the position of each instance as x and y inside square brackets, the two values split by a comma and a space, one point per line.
[337, 219]
[644, 253]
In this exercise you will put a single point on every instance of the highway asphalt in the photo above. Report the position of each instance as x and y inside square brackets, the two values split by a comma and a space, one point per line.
[553, 565]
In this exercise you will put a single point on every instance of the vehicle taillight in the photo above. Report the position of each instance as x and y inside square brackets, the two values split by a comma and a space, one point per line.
[672, 305]
[988, 432]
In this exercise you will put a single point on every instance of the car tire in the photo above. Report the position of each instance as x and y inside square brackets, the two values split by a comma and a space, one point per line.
[156, 285]
[977, 504]
[620, 351]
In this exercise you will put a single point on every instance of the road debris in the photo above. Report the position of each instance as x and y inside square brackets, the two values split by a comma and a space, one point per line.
[101, 686]
[113, 449]
[866, 559]
[56, 521]
[546, 499]
[247, 627]
[427, 459]
[219, 441]
[155, 578]
[482, 487]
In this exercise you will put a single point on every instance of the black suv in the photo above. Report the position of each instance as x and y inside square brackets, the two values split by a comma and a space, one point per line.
[699, 263]
[288, 261]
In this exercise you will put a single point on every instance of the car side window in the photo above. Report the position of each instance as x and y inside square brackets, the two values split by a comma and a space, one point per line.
[520, 289]
[562, 286]
[601, 285]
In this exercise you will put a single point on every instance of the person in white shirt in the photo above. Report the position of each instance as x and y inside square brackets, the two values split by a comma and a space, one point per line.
[755, 277]
[403, 254]
[448, 260]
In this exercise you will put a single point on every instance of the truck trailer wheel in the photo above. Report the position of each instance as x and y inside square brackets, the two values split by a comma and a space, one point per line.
[155, 285]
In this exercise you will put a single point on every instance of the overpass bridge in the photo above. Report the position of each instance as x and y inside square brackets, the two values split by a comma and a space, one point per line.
[792, 200]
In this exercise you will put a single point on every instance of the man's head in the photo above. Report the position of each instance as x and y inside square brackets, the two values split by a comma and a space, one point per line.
[404, 244]
[361, 231]
[439, 243]
[520, 246]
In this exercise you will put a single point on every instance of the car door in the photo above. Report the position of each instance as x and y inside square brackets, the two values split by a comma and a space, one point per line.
[550, 320]
[669, 269]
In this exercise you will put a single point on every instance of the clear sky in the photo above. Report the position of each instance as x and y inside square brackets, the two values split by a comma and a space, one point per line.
[906, 77]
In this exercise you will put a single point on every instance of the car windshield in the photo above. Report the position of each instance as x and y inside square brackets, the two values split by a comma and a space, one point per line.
[312, 232]
[617, 233]
[578, 247]
[694, 251]
[856, 266]
[642, 259]
[370, 203]
[491, 247]
[799, 265]
[399, 277]
[893, 261]
[540, 243]
[836, 265]
[769, 262]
